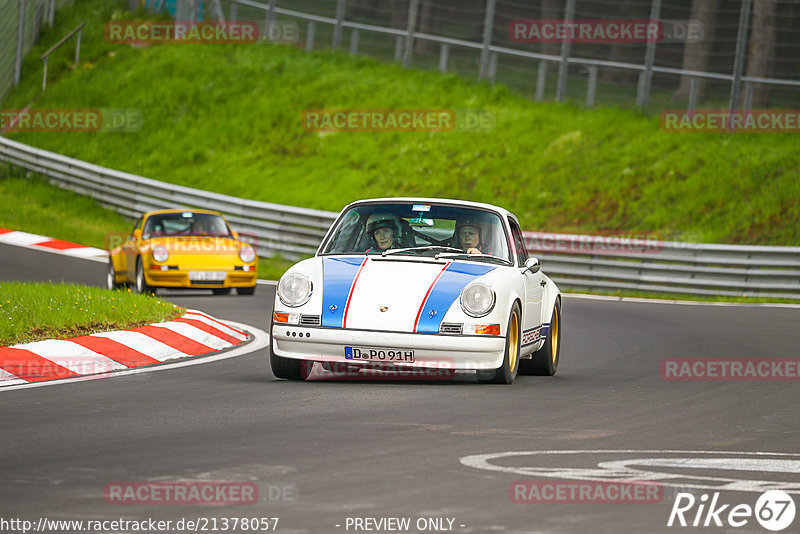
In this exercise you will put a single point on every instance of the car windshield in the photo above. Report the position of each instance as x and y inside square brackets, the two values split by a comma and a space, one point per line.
[185, 224]
[409, 229]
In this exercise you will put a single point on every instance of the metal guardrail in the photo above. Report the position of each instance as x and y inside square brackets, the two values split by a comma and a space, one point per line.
[573, 261]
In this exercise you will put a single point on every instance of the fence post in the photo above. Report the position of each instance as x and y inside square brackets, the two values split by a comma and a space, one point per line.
[412, 25]
[444, 53]
[492, 66]
[270, 14]
[541, 78]
[44, 75]
[354, 42]
[51, 13]
[741, 45]
[643, 95]
[694, 87]
[337, 29]
[20, 42]
[233, 11]
[310, 36]
[488, 27]
[566, 43]
[398, 49]
[78, 49]
[591, 90]
[218, 11]
[748, 95]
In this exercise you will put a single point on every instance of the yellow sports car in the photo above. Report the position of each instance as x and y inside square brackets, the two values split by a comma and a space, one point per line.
[183, 249]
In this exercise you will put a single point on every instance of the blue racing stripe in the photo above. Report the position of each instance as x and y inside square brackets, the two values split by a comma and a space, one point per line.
[447, 289]
[337, 275]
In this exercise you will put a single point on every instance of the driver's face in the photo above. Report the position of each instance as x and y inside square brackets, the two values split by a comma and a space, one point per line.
[384, 237]
[468, 237]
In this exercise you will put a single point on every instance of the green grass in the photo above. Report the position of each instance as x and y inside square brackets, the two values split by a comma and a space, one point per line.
[226, 118]
[32, 205]
[34, 311]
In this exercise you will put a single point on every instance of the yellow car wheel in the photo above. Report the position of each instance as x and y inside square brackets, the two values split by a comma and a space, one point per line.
[545, 360]
[141, 282]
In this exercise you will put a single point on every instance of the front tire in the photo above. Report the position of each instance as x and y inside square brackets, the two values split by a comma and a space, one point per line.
[222, 291]
[141, 283]
[506, 373]
[245, 290]
[544, 361]
[111, 277]
[288, 368]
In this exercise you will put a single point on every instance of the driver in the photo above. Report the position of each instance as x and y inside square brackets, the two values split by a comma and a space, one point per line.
[383, 232]
[469, 236]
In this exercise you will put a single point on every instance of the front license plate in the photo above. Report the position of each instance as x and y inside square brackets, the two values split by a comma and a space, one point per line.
[209, 276]
[382, 355]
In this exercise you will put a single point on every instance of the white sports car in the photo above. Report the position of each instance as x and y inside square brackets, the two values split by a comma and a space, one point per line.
[406, 284]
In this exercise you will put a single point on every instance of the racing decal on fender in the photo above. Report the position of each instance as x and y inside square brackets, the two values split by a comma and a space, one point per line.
[339, 276]
[445, 290]
[529, 337]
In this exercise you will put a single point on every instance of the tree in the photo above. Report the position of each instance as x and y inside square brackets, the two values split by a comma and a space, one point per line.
[696, 55]
[761, 50]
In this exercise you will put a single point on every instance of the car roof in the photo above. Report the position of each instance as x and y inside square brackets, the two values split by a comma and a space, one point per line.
[179, 210]
[420, 200]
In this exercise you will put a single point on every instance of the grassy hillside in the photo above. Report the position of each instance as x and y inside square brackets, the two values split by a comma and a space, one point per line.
[227, 118]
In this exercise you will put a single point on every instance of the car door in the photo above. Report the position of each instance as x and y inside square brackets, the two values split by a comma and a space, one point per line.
[532, 313]
[130, 251]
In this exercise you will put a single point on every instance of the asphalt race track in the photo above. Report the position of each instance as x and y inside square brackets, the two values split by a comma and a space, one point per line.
[323, 452]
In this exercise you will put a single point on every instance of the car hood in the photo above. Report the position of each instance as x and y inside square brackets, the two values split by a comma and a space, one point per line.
[392, 294]
[196, 245]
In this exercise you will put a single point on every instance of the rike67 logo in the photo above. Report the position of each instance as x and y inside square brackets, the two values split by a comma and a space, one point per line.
[774, 510]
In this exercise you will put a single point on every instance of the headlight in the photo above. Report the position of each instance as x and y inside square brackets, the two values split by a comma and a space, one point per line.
[247, 254]
[477, 299]
[160, 253]
[294, 289]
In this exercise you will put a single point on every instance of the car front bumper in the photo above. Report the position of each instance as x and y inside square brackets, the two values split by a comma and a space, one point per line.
[180, 278]
[457, 352]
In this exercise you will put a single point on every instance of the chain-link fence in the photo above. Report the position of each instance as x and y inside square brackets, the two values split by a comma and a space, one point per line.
[720, 54]
[21, 22]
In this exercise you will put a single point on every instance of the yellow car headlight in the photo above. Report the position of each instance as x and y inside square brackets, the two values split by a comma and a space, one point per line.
[160, 253]
[247, 253]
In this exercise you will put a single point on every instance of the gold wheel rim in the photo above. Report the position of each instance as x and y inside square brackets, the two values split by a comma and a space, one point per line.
[513, 342]
[554, 333]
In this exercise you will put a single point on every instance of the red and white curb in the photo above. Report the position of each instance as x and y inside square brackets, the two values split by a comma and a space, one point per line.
[193, 334]
[48, 244]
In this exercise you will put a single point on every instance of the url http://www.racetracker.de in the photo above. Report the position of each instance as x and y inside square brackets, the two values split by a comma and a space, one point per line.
[194, 524]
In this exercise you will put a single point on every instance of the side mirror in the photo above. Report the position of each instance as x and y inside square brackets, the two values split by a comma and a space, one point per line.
[136, 235]
[235, 234]
[532, 265]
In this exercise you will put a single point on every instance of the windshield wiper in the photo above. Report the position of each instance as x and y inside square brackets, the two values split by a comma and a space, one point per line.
[421, 249]
[472, 257]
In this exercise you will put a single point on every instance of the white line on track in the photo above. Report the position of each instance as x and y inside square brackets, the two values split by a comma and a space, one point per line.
[261, 339]
[587, 296]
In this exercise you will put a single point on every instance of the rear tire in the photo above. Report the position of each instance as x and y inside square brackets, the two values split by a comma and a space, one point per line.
[141, 282]
[246, 290]
[506, 373]
[544, 361]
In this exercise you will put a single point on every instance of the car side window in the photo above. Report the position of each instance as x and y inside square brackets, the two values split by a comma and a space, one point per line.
[136, 225]
[519, 242]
